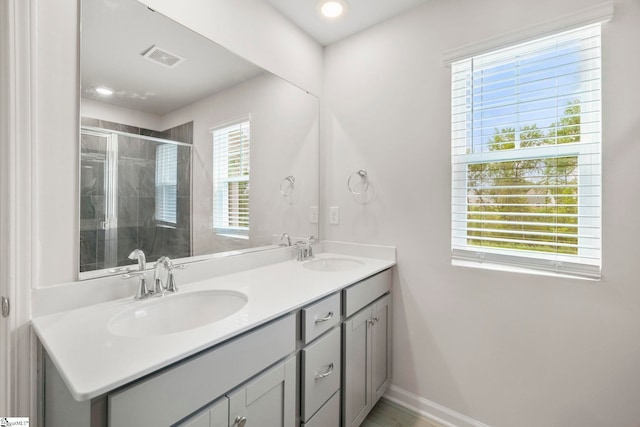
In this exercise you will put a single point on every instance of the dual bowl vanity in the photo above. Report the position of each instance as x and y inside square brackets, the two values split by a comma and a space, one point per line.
[286, 344]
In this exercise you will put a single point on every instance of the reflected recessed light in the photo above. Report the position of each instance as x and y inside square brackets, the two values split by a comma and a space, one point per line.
[332, 8]
[104, 91]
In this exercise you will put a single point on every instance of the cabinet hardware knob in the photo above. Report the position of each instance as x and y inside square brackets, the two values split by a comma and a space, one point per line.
[326, 318]
[240, 421]
[326, 373]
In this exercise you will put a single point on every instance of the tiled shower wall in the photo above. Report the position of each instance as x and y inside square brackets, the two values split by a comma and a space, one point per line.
[136, 198]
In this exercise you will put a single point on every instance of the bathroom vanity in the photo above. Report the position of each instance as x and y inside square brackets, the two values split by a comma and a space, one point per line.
[311, 347]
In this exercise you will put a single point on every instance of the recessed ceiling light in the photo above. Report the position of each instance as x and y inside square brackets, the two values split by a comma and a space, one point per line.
[332, 8]
[104, 91]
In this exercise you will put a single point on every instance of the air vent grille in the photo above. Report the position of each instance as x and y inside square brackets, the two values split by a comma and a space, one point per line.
[162, 56]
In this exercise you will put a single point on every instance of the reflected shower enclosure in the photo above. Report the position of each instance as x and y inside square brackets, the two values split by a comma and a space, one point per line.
[135, 192]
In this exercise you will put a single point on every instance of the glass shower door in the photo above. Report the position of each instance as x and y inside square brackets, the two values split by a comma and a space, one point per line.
[98, 200]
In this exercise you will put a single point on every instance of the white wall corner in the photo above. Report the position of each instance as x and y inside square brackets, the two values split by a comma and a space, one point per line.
[430, 410]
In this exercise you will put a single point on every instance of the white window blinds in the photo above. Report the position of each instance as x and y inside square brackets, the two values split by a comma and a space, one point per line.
[231, 161]
[166, 183]
[526, 184]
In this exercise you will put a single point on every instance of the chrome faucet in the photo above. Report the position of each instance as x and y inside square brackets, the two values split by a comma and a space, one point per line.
[142, 290]
[170, 286]
[283, 236]
[305, 249]
[158, 288]
[310, 242]
[139, 255]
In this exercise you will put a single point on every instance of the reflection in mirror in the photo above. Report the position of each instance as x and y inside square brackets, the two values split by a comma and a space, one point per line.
[135, 191]
[187, 155]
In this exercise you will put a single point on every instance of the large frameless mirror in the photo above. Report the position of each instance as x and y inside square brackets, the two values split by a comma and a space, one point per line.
[186, 150]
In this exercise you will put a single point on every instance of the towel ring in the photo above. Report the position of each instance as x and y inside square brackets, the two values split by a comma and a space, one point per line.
[286, 185]
[364, 182]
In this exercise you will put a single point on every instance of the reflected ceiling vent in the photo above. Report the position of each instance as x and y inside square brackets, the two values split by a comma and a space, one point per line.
[163, 57]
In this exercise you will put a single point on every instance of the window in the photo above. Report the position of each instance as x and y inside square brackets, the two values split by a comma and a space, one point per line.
[526, 155]
[166, 183]
[231, 144]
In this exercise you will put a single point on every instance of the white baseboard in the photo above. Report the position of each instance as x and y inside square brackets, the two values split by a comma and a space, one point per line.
[430, 410]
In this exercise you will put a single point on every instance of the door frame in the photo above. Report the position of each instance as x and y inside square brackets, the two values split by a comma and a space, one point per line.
[17, 262]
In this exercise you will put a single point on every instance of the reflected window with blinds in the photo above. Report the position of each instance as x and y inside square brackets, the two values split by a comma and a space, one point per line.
[231, 161]
[166, 183]
[526, 169]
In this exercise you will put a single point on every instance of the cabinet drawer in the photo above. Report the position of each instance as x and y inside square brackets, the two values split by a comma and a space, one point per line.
[328, 415]
[320, 372]
[188, 386]
[320, 317]
[362, 293]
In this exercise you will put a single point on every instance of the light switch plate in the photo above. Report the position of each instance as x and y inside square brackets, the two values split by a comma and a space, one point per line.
[334, 215]
[313, 215]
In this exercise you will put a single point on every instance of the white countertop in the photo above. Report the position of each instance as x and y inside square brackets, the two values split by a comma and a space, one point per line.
[92, 361]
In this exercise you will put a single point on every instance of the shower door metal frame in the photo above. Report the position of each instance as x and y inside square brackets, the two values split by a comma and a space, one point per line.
[110, 223]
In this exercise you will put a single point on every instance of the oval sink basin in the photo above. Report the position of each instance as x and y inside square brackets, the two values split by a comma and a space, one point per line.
[332, 264]
[177, 313]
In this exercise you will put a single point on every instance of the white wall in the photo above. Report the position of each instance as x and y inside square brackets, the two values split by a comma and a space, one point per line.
[502, 348]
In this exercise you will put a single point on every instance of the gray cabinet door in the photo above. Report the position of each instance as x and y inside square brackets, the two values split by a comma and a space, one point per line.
[268, 401]
[216, 415]
[367, 360]
[202, 419]
[220, 414]
[381, 347]
[357, 388]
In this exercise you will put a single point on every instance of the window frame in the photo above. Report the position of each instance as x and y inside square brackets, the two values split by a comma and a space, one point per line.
[464, 253]
[161, 185]
[219, 222]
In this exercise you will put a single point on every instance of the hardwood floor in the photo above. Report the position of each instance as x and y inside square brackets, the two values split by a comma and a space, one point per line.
[388, 414]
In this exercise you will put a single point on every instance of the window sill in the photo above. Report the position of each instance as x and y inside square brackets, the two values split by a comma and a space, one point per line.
[514, 269]
[232, 233]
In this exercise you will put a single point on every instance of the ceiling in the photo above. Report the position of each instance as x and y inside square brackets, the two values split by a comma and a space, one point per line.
[114, 36]
[360, 15]
[113, 41]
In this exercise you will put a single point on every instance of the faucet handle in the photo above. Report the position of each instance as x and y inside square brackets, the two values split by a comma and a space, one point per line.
[158, 288]
[172, 286]
[171, 282]
[131, 274]
[142, 291]
[301, 250]
[310, 242]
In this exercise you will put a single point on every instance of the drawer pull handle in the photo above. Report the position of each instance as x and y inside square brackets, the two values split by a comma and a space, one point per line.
[240, 421]
[326, 318]
[326, 374]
